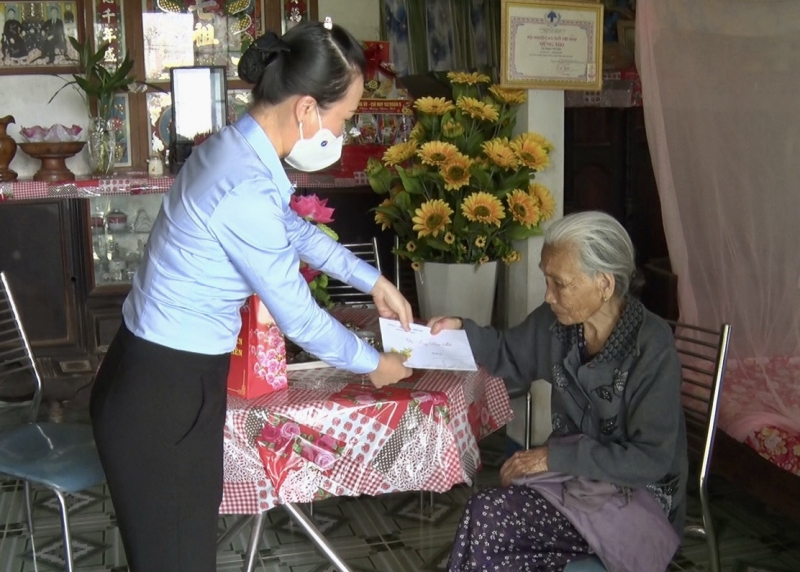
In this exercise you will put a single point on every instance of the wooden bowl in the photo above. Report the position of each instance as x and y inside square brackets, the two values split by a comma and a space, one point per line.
[53, 157]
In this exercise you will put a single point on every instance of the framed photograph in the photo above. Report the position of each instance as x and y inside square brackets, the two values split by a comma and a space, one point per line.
[34, 37]
[626, 34]
[551, 44]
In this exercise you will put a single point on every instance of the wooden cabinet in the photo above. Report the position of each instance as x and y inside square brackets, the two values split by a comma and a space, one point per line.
[607, 167]
[39, 256]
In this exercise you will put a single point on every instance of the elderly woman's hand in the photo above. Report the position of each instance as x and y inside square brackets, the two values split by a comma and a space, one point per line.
[440, 323]
[523, 463]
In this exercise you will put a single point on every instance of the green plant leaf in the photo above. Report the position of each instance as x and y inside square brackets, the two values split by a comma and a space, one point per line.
[410, 184]
[437, 244]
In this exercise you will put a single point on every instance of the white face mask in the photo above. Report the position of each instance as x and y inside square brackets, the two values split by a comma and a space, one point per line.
[320, 151]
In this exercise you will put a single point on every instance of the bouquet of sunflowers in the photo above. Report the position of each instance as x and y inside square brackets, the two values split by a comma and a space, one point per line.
[461, 189]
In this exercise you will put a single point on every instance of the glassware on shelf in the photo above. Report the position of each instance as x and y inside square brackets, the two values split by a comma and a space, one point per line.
[117, 220]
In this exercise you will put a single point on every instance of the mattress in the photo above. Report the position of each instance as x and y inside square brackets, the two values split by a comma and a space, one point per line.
[760, 405]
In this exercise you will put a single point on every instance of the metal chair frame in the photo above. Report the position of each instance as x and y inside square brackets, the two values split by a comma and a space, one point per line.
[342, 293]
[703, 354]
[15, 350]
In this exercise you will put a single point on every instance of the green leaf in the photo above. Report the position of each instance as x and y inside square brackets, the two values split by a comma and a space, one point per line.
[410, 184]
[482, 177]
[402, 200]
[437, 244]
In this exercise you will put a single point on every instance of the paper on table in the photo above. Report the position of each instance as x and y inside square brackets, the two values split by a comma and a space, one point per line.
[448, 349]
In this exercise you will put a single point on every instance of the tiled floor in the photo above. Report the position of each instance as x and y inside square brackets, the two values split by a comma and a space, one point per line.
[397, 533]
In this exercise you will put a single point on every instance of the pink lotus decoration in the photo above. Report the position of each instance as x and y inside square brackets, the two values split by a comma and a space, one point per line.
[54, 134]
[312, 209]
[308, 273]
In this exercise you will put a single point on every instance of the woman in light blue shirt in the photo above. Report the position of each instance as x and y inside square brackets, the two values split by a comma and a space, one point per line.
[225, 231]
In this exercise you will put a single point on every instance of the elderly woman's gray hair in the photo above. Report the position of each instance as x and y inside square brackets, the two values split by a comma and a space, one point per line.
[603, 246]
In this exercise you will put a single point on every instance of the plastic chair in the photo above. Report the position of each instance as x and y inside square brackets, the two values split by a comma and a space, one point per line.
[703, 354]
[342, 293]
[61, 457]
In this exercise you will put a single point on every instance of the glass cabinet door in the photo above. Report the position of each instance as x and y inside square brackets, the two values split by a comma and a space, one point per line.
[120, 226]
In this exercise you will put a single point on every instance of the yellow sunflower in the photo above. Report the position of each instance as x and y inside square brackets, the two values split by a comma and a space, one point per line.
[530, 153]
[416, 266]
[505, 95]
[484, 259]
[431, 218]
[400, 153]
[382, 218]
[434, 105]
[547, 204]
[468, 78]
[480, 242]
[437, 152]
[524, 208]
[452, 128]
[500, 153]
[478, 109]
[535, 138]
[449, 238]
[411, 246]
[512, 257]
[483, 207]
[417, 132]
[456, 172]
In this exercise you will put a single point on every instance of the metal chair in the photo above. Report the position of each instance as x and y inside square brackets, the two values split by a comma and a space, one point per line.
[342, 293]
[703, 354]
[61, 457]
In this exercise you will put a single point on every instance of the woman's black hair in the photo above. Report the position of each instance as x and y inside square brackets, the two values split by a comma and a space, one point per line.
[308, 60]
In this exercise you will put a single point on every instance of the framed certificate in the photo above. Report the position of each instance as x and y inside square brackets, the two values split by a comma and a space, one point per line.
[554, 44]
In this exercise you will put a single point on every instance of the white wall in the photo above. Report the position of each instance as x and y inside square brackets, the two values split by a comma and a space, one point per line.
[25, 97]
[362, 18]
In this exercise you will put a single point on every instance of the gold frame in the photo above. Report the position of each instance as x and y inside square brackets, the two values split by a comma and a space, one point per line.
[532, 82]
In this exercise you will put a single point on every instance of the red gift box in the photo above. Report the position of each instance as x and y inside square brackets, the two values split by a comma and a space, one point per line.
[258, 364]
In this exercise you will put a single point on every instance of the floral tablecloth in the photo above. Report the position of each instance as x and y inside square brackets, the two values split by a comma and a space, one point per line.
[332, 433]
[760, 405]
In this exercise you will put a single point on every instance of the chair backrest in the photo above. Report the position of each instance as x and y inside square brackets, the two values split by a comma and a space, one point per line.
[703, 354]
[16, 356]
[340, 292]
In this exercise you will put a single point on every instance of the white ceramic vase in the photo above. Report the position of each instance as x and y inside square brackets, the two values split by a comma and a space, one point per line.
[463, 290]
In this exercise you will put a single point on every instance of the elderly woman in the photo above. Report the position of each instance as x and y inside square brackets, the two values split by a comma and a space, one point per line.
[611, 478]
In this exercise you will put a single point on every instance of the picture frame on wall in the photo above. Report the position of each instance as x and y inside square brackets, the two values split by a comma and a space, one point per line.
[626, 34]
[35, 34]
[551, 44]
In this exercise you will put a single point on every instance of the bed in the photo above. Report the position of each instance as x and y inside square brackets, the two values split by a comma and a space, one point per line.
[758, 442]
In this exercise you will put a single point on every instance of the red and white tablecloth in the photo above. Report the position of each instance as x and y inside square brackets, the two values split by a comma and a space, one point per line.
[332, 433]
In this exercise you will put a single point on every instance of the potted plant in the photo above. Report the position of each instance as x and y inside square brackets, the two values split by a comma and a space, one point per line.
[99, 87]
[461, 190]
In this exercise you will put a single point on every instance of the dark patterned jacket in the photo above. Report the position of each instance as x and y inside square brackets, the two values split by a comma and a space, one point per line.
[626, 401]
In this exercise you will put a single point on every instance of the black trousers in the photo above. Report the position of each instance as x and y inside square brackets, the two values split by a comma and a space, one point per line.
[158, 416]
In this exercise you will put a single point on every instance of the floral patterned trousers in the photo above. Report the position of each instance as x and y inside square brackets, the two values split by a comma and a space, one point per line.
[514, 528]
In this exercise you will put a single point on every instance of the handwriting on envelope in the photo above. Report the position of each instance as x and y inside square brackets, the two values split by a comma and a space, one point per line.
[448, 350]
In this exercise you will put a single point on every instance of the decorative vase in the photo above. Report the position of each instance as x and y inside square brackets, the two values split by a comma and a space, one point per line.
[463, 290]
[8, 148]
[102, 139]
[53, 157]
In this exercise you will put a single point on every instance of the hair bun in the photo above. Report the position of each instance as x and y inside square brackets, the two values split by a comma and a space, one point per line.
[258, 56]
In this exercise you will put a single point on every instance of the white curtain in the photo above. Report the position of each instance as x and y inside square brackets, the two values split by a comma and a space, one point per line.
[721, 91]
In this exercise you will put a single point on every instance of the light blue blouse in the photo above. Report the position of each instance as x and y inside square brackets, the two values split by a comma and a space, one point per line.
[224, 232]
